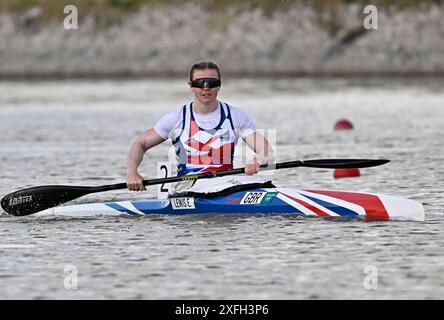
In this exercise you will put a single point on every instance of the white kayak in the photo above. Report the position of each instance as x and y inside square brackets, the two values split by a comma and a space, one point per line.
[262, 201]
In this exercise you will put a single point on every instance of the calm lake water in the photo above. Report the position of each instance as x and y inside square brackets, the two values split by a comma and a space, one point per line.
[78, 132]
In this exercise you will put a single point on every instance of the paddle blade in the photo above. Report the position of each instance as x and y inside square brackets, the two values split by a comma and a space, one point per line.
[344, 163]
[35, 199]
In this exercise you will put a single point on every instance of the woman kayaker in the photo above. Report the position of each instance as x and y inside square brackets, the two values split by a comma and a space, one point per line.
[203, 132]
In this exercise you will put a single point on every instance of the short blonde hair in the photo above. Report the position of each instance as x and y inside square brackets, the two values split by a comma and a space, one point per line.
[203, 65]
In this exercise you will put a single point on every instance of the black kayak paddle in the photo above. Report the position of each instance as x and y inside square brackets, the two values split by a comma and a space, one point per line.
[31, 200]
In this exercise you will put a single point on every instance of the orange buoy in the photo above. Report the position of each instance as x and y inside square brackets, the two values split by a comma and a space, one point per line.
[346, 173]
[343, 124]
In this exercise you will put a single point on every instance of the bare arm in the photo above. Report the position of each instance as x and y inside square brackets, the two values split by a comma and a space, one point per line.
[135, 156]
[264, 152]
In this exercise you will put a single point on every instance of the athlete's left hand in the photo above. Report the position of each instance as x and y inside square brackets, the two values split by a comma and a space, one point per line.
[252, 167]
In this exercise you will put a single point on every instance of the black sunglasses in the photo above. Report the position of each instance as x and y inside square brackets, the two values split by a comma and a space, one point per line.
[205, 83]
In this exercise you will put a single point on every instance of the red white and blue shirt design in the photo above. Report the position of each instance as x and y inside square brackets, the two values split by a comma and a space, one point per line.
[199, 149]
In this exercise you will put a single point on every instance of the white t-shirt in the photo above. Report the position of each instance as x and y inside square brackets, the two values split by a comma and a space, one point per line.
[172, 122]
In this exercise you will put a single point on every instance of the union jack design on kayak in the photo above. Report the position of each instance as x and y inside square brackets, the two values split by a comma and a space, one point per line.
[337, 203]
[269, 201]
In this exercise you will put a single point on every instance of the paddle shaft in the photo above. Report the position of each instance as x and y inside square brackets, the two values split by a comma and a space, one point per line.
[327, 164]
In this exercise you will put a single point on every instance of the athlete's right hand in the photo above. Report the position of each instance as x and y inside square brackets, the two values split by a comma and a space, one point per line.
[134, 182]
